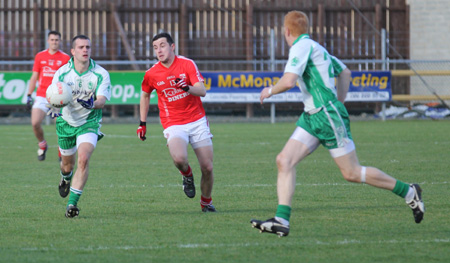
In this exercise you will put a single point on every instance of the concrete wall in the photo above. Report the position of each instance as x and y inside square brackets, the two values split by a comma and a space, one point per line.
[430, 29]
[430, 40]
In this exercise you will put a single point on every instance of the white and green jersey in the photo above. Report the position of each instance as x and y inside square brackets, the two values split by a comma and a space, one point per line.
[316, 70]
[93, 81]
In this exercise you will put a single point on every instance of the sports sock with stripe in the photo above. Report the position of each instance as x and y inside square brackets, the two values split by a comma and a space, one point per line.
[188, 173]
[205, 201]
[401, 188]
[74, 196]
[66, 176]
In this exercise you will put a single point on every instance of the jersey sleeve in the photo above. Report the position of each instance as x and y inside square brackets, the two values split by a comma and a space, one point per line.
[147, 85]
[338, 66]
[37, 63]
[193, 73]
[298, 58]
[104, 88]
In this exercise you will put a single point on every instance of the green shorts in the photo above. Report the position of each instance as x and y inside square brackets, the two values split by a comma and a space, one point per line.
[330, 125]
[67, 134]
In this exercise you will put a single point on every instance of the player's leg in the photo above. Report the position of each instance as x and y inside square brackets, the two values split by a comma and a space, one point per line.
[68, 157]
[178, 151]
[177, 142]
[38, 113]
[86, 144]
[67, 142]
[204, 153]
[354, 172]
[200, 140]
[300, 145]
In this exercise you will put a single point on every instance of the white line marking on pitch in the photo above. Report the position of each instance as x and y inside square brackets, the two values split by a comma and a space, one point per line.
[344, 242]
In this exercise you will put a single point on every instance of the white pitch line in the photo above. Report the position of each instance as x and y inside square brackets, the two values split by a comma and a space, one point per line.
[344, 242]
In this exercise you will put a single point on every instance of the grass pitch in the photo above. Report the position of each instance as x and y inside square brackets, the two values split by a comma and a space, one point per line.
[133, 208]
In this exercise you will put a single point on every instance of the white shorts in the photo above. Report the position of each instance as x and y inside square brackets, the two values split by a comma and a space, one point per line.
[91, 138]
[40, 102]
[312, 143]
[192, 133]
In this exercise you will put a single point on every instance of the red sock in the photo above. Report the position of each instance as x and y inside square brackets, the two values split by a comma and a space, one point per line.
[205, 201]
[188, 173]
[43, 145]
[59, 153]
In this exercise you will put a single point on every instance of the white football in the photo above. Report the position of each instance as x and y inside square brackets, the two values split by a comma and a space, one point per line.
[59, 94]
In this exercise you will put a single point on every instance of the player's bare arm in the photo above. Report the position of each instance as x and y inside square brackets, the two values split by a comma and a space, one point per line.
[144, 105]
[33, 80]
[198, 89]
[343, 83]
[286, 83]
[100, 102]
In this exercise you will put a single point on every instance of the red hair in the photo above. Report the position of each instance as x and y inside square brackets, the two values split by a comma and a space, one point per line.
[297, 23]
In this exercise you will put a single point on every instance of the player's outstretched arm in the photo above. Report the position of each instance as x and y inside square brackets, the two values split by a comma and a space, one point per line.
[286, 83]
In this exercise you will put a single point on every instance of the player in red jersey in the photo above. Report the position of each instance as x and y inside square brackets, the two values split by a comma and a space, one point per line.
[46, 63]
[179, 86]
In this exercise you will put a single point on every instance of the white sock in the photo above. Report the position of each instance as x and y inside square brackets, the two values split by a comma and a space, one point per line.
[282, 220]
[410, 195]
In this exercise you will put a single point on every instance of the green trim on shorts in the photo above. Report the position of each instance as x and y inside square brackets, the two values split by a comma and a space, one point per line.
[67, 134]
[331, 125]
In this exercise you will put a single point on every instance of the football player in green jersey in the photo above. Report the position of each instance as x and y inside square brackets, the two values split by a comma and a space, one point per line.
[324, 121]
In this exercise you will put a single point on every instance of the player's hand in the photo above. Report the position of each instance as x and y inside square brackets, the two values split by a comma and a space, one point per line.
[181, 83]
[265, 94]
[53, 112]
[29, 102]
[87, 104]
[142, 130]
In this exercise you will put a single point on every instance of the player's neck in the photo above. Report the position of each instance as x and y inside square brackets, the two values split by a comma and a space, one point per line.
[52, 51]
[81, 67]
[169, 62]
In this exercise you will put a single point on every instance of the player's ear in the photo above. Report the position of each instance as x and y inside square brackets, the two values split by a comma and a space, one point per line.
[72, 51]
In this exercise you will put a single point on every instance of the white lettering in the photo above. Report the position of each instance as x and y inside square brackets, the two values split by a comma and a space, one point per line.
[178, 97]
[128, 92]
[14, 89]
[117, 91]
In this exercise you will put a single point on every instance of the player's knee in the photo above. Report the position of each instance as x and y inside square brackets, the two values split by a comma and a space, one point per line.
[179, 160]
[352, 174]
[66, 168]
[283, 163]
[83, 160]
[207, 169]
[36, 125]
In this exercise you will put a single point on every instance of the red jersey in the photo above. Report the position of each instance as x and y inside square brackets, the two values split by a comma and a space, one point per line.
[46, 65]
[175, 105]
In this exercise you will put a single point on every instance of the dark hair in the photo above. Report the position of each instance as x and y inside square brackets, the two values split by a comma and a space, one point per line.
[53, 32]
[78, 37]
[161, 35]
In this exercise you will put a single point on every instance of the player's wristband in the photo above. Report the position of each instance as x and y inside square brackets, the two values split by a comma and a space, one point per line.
[186, 88]
[143, 123]
[270, 91]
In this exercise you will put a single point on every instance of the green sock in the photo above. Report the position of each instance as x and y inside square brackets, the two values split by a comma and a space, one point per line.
[74, 196]
[67, 176]
[401, 189]
[284, 212]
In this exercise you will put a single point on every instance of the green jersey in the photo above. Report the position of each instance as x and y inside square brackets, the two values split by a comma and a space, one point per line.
[316, 70]
[93, 81]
